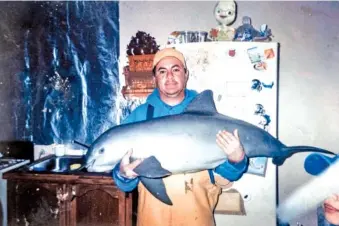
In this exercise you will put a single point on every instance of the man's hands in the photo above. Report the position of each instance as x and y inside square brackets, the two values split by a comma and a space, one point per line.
[127, 167]
[231, 145]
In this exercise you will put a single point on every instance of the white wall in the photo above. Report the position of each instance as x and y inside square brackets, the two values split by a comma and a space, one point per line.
[308, 33]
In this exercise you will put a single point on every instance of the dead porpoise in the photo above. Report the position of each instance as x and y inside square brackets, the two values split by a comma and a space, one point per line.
[182, 143]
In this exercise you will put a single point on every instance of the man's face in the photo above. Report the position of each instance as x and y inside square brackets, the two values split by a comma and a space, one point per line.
[170, 77]
[331, 209]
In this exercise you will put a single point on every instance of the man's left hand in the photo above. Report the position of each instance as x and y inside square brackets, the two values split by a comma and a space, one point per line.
[231, 145]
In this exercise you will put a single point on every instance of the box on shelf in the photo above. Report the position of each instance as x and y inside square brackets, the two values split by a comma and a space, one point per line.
[140, 63]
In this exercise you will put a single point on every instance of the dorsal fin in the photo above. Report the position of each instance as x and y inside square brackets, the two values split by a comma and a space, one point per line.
[203, 103]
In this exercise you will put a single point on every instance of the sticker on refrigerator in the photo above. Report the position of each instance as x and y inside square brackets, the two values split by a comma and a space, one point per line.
[260, 66]
[254, 55]
[257, 85]
[257, 166]
[231, 52]
[258, 57]
[269, 54]
[259, 109]
[264, 119]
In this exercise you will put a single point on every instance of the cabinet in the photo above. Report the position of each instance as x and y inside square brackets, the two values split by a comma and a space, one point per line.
[66, 200]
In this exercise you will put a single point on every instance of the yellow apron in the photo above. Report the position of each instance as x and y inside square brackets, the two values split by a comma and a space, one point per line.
[193, 196]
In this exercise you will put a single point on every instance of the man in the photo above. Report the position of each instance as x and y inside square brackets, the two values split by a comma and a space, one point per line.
[194, 196]
[315, 164]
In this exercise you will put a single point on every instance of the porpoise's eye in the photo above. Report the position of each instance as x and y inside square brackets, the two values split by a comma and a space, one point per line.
[101, 151]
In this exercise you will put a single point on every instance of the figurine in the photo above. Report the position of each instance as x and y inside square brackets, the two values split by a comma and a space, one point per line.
[225, 14]
[246, 32]
[265, 33]
[175, 37]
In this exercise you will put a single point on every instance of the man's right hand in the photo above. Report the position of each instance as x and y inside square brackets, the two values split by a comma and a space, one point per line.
[127, 167]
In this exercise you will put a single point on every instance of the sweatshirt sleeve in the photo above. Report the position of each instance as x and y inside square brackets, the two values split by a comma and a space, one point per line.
[232, 171]
[123, 183]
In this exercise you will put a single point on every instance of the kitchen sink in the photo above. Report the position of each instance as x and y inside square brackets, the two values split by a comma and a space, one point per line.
[58, 164]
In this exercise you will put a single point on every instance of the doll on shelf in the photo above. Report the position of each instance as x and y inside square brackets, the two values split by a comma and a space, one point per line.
[225, 14]
[246, 32]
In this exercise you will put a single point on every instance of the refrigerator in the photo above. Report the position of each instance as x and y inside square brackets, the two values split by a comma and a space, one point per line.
[244, 79]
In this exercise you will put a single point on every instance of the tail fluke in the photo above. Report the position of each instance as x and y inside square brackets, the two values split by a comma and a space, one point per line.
[289, 151]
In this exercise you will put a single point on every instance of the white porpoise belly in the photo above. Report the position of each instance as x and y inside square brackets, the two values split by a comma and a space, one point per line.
[180, 153]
